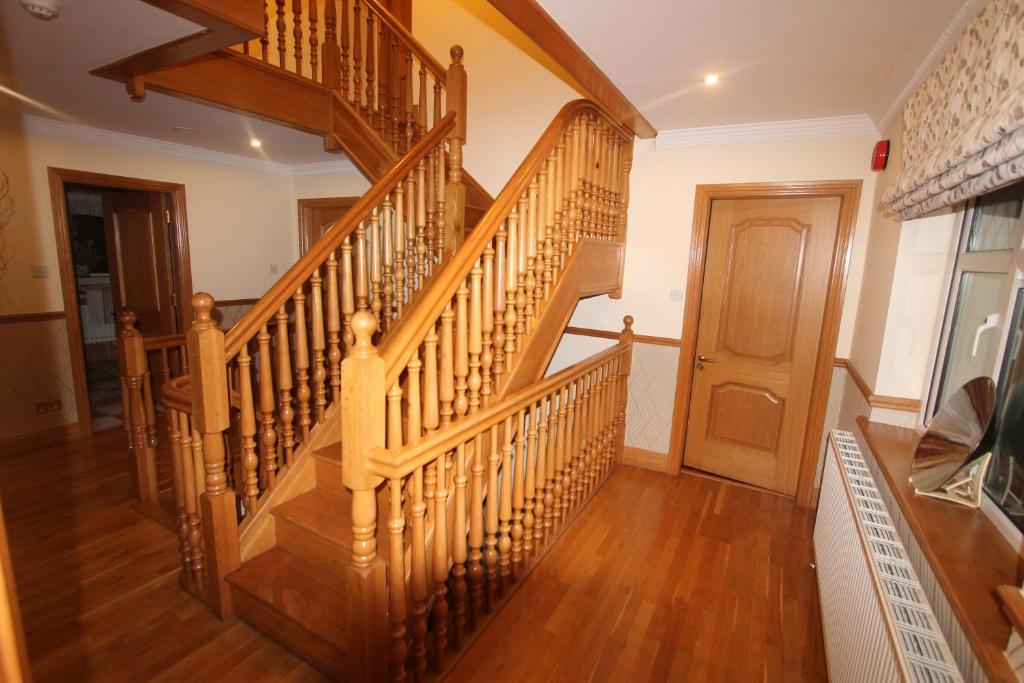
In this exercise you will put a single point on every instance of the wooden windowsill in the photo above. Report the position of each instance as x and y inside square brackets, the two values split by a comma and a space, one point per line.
[968, 555]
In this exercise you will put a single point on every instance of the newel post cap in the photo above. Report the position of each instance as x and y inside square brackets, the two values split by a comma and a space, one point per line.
[364, 325]
[457, 54]
[202, 306]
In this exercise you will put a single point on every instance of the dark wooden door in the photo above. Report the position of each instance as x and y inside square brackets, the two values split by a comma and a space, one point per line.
[316, 216]
[139, 255]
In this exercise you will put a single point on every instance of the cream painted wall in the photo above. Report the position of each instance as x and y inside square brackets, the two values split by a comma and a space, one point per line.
[512, 96]
[662, 189]
[240, 221]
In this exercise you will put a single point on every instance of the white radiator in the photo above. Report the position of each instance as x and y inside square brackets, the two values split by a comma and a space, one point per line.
[877, 622]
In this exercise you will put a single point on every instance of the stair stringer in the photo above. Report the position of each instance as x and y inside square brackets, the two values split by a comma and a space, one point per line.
[594, 268]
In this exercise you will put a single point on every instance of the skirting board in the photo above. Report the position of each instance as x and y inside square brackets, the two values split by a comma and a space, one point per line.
[42, 438]
[640, 457]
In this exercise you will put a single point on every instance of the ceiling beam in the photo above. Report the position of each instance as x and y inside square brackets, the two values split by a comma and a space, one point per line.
[538, 25]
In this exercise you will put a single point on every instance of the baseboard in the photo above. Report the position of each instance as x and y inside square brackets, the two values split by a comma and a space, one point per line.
[42, 438]
[640, 457]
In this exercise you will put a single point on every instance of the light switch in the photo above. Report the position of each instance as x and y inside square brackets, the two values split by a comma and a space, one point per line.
[273, 267]
[676, 295]
[40, 271]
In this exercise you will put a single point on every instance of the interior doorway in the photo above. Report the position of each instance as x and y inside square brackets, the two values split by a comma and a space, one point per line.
[317, 215]
[764, 298]
[122, 242]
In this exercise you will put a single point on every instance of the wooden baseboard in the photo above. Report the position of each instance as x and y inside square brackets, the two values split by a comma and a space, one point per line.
[640, 457]
[42, 438]
[909, 405]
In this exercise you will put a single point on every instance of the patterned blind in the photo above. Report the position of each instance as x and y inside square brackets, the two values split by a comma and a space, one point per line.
[964, 127]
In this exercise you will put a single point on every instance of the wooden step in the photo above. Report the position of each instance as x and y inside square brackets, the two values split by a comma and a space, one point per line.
[297, 604]
[328, 469]
[317, 526]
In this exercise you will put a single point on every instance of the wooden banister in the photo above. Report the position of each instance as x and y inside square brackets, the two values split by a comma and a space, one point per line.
[424, 311]
[278, 295]
[397, 27]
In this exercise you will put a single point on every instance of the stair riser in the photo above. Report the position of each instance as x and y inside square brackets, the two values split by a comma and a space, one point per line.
[328, 476]
[299, 640]
[301, 542]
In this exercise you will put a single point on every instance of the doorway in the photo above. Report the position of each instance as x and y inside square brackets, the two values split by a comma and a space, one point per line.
[764, 297]
[122, 242]
[317, 215]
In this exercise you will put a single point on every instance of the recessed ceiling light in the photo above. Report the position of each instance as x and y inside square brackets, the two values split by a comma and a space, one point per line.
[255, 142]
[711, 79]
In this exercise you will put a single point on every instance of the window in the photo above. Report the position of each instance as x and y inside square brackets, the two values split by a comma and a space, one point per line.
[982, 330]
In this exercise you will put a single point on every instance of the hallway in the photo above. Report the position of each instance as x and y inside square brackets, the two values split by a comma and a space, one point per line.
[625, 595]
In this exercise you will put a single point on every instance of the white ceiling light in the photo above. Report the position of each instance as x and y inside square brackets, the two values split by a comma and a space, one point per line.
[255, 142]
[42, 9]
[711, 79]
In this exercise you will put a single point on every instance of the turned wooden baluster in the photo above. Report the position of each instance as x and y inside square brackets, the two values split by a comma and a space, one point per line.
[574, 189]
[357, 56]
[493, 503]
[459, 550]
[446, 392]
[334, 354]
[511, 293]
[421, 223]
[475, 568]
[268, 435]
[562, 482]
[249, 460]
[376, 273]
[282, 48]
[363, 428]
[319, 372]
[439, 613]
[194, 532]
[265, 38]
[408, 105]
[133, 372]
[431, 209]
[505, 512]
[584, 417]
[524, 302]
[345, 38]
[625, 366]
[178, 483]
[481, 324]
[212, 417]
[399, 256]
[285, 412]
[383, 82]
[396, 60]
[302, 391]
[545, 471]
[498, 286]
[348, 285]
[297, 34]
[331, 53]
[410, 235]
[572, 450]
[396, 545]
[518, 492]
[362, 275]
[421, 104]
[442, 241]
[430, 379]
[388, 264]
[455, 190]
[462, 359]
[549, 228]
[418, 562]
[561, 234]
[530, 483]
[371, 53]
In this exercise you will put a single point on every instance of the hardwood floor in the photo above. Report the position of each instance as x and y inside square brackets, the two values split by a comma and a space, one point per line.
[661, 578]
[664, 579]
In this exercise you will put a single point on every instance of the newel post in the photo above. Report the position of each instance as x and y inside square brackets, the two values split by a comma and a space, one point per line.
[625, 364]
[362, 430]
[210, 415]
[455, 190]
[331, 49]
[134, 384]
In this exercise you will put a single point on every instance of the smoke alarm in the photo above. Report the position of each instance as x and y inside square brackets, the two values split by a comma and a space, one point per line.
[42, 9]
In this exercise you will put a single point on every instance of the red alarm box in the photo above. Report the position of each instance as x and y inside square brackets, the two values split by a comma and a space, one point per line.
[880, 155]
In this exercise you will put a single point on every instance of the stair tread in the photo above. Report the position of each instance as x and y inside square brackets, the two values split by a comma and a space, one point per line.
[331, 452]
[300, 591]
[322, 512]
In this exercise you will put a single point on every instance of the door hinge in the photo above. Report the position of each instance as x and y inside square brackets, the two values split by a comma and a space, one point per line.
[167, 216]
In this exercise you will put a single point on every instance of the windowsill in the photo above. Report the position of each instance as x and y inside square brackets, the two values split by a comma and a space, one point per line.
[968, 555]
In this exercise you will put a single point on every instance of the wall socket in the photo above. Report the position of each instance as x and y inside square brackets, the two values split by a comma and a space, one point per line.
[43, 407]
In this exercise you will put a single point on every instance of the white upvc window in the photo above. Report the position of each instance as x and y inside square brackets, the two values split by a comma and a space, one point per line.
[982, 330]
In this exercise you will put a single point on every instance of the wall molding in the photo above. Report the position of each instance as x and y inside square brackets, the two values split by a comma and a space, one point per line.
[641, 457]
[12, 318]
[100, 136]
[798, 129]
[608, 334]
[949, 36]
[910, 405]
[42, 438]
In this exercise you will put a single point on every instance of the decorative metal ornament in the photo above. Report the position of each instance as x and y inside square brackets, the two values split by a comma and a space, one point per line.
[945, 465]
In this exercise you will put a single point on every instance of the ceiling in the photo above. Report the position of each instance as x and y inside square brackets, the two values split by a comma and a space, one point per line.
[779, 60]
[48, 62]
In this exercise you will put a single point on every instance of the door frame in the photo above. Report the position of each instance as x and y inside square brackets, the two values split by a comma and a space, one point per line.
[306, 207]
[61, 177]
[848, 193]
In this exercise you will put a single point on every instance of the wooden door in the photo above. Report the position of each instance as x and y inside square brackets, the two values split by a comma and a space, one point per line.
[316, 216]
[762, 306]
[139, 256]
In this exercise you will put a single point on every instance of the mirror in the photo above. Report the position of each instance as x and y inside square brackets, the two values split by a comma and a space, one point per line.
[944, 464]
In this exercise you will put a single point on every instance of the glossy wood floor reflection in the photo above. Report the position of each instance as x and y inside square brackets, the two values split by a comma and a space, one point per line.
[664, 579]
[97, 580]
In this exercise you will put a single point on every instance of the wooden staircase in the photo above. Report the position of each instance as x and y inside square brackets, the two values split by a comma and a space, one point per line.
[371, 460]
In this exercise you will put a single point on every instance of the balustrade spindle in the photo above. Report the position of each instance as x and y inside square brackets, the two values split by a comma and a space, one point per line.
[376, 273]
[459, 550]
[297, 34]
[411, 255]
[399, 257]
[431, 210]
[265, 38]
[362, 275]
[371, 53]
[549, 228]
[562, 481]
[344, 38]
[421, 223]
[302, 391]
[462, 360]
[430, 380]
[331, 75]
[314, 41]
[545, 497]
[498, 313]
[348, 285]
[418, 562]
[491, 551]
[319, 373]
[282, 48]
[572, 446]
[357, 57]
[249, 460]
[518, 492]
[485, 330]
[195, 530]
[505, 512]
[383, 73]
[446, 380]
[285, 412]
[387, 264]
[421, 105]
[408, 105]
[268, 435]
[439, 208]
[475, 569]
[396, 582]
[524, 269]
[178, 473]
[530, 483]
[334, 328]
[396, 93]
[439, 613]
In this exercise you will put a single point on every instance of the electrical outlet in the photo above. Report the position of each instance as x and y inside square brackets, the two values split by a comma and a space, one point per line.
[273, 268]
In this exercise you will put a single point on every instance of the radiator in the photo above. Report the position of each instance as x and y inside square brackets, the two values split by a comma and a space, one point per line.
[877, 622]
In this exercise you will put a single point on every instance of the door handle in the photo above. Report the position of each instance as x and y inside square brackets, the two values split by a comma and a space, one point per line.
[705, 359]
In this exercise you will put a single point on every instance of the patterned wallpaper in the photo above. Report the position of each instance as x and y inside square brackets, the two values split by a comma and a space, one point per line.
[35, 366]
[652, 391]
